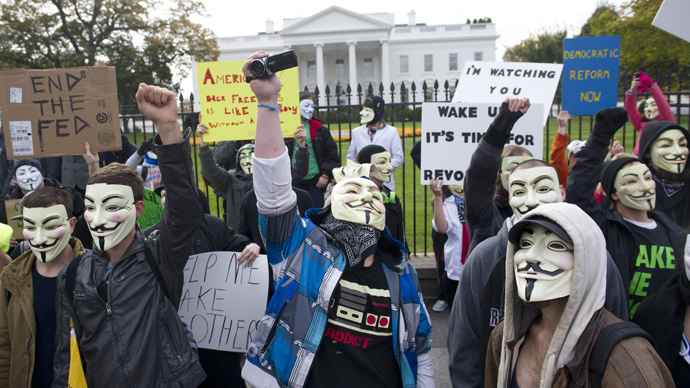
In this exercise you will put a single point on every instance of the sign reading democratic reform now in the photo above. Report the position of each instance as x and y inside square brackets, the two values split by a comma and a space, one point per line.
[229, 107]
[590, 74]
[451, 132]
[492, 82]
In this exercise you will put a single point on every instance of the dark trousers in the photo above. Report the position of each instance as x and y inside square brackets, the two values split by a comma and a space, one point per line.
[222, 369]
[438, 241]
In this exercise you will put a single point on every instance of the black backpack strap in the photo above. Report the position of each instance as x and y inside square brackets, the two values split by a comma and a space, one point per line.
[71, 276]
[8, 295]
[608, 338]
[156, 271]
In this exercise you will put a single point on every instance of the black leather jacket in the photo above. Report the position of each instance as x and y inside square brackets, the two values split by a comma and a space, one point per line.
[136, 338]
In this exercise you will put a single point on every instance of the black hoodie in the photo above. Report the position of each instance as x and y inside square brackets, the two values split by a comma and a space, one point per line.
[672, 196]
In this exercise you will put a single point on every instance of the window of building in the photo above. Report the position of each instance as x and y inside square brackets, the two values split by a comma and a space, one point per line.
[479, 56]
[403, 64]
[311, 69]
[452, 62]
[428, 62]
[368, 68]
[340, 67]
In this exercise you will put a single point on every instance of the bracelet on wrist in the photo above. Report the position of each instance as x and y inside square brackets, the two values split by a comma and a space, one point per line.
[275, 108]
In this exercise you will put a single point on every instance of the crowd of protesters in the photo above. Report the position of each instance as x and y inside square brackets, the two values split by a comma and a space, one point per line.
[571, 272]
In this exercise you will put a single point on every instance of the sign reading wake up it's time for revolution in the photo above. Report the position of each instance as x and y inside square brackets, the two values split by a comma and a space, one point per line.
[229, 107]
[590, 74]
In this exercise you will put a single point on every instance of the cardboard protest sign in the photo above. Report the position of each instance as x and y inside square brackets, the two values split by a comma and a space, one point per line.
[228, 105]
[673, 18]
[222, 301]
[12, 210]
[590, 74]
[54, 112]
[153, 210]
[451, 132]
[492, 82]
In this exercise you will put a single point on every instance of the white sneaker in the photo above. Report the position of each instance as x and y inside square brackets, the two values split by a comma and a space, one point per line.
[439, 306]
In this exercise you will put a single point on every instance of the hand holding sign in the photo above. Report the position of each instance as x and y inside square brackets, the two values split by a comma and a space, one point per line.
[248, 255]
[200, 130]
[160, 106]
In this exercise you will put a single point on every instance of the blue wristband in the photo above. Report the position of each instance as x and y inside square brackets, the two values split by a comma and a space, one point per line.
[275, 108]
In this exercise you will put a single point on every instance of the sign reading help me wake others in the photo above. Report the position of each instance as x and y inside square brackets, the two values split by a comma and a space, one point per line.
[54, 112]
[590, 74]
[222, 301]
[451, 132]
[493, 82]
[229, 107]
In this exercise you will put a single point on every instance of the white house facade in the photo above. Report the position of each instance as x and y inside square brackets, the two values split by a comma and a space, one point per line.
[341, 47]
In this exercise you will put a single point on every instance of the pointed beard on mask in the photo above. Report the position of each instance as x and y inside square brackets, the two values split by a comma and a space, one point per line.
[356, 241]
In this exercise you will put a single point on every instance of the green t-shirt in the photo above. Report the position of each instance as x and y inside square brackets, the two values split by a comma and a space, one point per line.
[314, 168]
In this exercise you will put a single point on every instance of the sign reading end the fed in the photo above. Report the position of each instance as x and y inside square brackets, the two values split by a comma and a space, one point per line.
[451, 132]
[222, 301]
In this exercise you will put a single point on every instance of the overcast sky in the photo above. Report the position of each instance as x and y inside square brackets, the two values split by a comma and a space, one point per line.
[515, 20]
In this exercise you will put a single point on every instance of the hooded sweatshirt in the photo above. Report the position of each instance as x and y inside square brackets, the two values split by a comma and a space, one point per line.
[672, 197]
[575, 335]
[586, 297]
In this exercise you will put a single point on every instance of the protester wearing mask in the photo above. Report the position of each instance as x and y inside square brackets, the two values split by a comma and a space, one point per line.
[486, 178]
[375, 131]
[318, 262]
[654, 108]
[381, 173]
[556, 277]
[633, 230]
[323, 152]
[664, 148]
[29, 284]
[127, 290]
[232, 184]
[479, 302]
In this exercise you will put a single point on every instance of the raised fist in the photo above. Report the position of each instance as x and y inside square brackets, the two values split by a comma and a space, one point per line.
[608, 121]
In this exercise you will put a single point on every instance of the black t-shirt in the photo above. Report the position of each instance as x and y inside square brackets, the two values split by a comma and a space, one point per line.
[44, 312]
[652, 263]
[357, 345]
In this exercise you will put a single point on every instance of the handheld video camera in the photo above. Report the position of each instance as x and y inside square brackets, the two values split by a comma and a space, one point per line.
[264, 67]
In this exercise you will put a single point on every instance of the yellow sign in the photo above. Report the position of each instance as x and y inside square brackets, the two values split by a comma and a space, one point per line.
[228, 105]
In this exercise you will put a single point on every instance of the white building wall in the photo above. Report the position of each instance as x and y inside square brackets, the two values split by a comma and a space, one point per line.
[336, 27]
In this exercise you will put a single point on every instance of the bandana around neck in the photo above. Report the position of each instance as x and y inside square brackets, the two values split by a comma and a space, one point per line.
[357, 241]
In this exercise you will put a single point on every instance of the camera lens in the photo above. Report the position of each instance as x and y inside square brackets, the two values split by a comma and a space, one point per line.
[257, 67]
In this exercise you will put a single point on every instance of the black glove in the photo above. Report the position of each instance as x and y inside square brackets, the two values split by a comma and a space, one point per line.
[499, 131]
[607, 122]
[145, 147]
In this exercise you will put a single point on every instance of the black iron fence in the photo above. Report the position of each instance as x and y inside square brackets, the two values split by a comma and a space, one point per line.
[339, 110]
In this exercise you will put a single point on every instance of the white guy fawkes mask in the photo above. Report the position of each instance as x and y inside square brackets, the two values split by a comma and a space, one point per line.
[651, 111]
[358, 200]
[508, 164]
[382, 166]
[366, 114]
[670, 151]
[306, 108]
[28, 177]
[531, 187]
[635, 187]
[47, 229]
[246, 156]
[543, 265]
[457, 190]
[110, 213]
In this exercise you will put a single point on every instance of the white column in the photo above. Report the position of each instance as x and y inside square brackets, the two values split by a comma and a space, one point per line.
[385, 66]
[353, 65]
[320, 71]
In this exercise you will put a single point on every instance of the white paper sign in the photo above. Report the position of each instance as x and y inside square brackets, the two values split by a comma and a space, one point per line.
[673, 18]
[16, 95]
[492, 82]
[222, 301]
[451, 132]
[22, 143]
